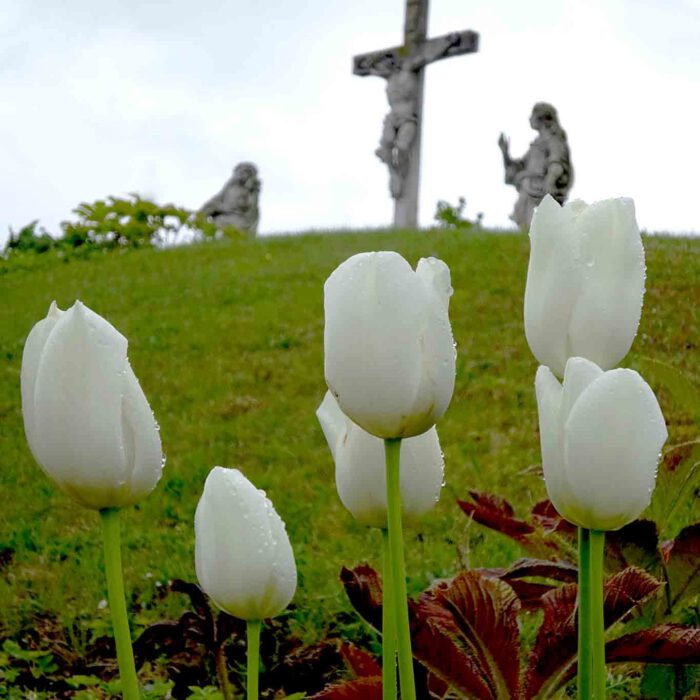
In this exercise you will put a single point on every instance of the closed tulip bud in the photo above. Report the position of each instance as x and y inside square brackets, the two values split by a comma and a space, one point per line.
[243, 557]
[360, 474]
[585, 282]
[389, 351]
[87, 421]
[601, 435]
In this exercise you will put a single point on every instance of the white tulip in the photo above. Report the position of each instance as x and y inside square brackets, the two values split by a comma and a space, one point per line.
[585, 282]
[601, 435]
[360, 473]
[243, 557]
[389, 351]
[87, 421]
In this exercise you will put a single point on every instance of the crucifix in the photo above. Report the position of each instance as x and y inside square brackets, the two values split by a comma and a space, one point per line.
[402, 68]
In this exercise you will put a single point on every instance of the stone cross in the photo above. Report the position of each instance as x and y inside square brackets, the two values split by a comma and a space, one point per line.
[402, 68]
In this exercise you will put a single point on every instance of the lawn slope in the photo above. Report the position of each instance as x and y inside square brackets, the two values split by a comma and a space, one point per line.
[227, 341]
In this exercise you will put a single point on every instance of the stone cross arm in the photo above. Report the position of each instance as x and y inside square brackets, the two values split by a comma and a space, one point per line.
[384, 62]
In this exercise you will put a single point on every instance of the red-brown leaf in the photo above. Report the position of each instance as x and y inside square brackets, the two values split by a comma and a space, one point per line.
[466, 633]
[663, 644]
[636, 544]
[541, 568]
[496, 513]
[367, 688]
[552, 662]
[363, 587]
[359, 661]
[545, 514]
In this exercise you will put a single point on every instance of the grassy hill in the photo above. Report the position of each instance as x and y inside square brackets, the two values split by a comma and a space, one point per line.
[227, 341]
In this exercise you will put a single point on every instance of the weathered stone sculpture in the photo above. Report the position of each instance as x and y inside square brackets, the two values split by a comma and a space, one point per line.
[403, 69]
[545, 168]
[403, 93]
[237, 203]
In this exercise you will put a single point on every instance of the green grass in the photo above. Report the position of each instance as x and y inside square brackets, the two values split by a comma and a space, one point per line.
[227, 341]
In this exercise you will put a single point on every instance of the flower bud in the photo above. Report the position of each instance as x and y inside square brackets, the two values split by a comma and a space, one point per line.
[87, 421]
[243, 557]
[389, 351]
[601, 435]
[585, 282]
[360, 472]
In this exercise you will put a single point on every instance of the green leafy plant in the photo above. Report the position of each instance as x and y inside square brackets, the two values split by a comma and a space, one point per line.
[132, 222]
[449, 216]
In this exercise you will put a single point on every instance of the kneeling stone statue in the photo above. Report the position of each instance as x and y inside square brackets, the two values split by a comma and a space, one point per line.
[545, 169]
[237, 203]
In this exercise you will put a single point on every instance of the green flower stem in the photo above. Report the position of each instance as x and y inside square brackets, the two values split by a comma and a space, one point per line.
[597, 547]
[253, 658]
[117, 603]
[398, 568]
[388, 624]
[584, 614]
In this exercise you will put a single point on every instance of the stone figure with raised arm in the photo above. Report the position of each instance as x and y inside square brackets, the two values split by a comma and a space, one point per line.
[237, 203]
[545, 169]
[403, 92]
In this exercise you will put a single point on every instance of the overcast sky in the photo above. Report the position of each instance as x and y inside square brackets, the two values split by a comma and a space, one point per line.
[163, 98]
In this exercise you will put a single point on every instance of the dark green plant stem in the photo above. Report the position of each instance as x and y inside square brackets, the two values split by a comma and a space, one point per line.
[584, 614]
[117, 603]
[253, 658]
[597, 548]
[398, 568]
[222, 673]
[388, 624]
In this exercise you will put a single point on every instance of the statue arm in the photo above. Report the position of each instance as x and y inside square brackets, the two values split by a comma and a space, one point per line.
[433, 51]
[556, 163]
[212, 206]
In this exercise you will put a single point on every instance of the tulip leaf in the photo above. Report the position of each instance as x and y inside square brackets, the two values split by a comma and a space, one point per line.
[465, 632]
[683, 389]
[673, 503]
[552, 661]
[367, 688]
[662, 644]
[363, 587]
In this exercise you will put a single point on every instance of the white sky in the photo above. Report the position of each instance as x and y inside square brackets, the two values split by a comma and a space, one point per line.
[163, 98]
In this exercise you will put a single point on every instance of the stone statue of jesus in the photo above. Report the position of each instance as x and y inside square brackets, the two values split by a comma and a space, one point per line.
[402, 91]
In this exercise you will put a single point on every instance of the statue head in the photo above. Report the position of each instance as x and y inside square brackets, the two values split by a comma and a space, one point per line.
[245, 171]
[544, 117]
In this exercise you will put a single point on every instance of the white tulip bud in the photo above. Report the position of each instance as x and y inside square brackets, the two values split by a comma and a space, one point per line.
[360, 472]
[601, 435]
[585, 282]
[87, 421]
[389, 351]
[243, 557]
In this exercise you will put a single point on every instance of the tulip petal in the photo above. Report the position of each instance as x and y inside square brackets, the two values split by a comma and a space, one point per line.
[436, 276]
[33, 348]
[141, 438]
[361, 476]
[578, 374]
[243, 557]
[78, 405]
[438, 354]
[553, 281]
[549, 401]
[373, 306]
[334, 422]
[606, 315]
[612, 442]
